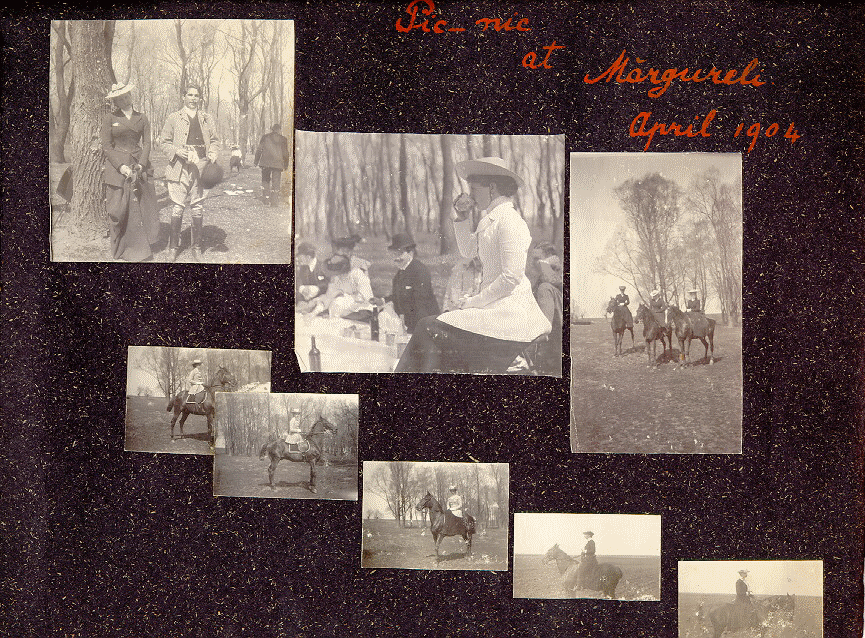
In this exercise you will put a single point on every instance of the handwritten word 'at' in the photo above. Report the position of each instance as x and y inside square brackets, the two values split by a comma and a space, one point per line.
[665, 78]
[427, 8]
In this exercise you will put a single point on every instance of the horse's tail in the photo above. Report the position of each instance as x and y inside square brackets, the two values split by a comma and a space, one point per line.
[170, 405]
[263, 452]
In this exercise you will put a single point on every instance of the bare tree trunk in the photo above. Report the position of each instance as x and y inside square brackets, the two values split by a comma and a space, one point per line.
[59, 125]
[403, 183]
[447, 192]
[92, 69]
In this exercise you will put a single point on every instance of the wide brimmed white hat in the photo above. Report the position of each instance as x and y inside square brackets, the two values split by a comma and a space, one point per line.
[487, 166]
[119, 89]
[693, 292]
[196, 362]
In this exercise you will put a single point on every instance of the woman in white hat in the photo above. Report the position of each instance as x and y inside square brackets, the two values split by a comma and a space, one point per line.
[692, 304]
[128, 177]
[194, 381]
[490, 328]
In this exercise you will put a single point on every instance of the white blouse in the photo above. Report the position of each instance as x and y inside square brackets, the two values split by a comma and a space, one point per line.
[507, 309]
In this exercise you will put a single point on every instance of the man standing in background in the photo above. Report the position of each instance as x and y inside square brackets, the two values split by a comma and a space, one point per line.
[272, 155]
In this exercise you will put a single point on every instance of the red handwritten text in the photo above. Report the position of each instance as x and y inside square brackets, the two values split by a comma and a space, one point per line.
[438, 26]
[665, 78]
[521, 25]
[666, 129]
[530, 60]
[754, 132]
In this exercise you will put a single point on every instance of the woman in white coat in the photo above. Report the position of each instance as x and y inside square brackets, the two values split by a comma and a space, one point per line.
[489, 329]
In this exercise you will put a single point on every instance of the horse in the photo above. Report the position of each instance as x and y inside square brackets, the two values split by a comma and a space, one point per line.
[604, 578]
[652, 332]
[618, 324]
[309, 450]
[688, 327]
[781, 603]
[205, 404]
[444, 523]
[730, 617]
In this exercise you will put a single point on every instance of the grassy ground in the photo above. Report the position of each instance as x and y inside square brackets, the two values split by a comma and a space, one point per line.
[148, 429]
[386, 544]
[238, 228]
[247, 476]
[806, 621]
[641, 578]
[621, 404]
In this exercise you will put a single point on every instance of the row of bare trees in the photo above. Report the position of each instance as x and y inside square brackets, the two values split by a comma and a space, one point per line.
[402, 484]
[169, 366]
[676, 239]
[382, 184]
[247, 421]
[244, 69]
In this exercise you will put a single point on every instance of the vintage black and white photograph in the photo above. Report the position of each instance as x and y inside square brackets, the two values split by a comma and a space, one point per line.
[429, 253]
[751, 599]
[285, 445]
[171, 394]
[609, 556]
[426, 515]
[656, 303]
[170, 140]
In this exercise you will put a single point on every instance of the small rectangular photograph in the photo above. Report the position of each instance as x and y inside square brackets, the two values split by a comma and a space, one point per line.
[171, 394]
[656, 303]
[766, 598]
[429, 253]
[428, 515]
[607, 556]
[170, 140]
[287, 445]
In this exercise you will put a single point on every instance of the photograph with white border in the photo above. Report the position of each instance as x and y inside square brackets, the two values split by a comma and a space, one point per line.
[171, 394]
[607, 556]
[287, 445]
[435, 515]
[771, 598]
[656, 303]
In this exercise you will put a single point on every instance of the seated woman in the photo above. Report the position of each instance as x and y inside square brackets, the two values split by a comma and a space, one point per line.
[349, 289]
[489, 329]
[465, 280]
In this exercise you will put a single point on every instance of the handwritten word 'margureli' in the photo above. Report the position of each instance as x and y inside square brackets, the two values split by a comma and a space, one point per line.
[665, 78]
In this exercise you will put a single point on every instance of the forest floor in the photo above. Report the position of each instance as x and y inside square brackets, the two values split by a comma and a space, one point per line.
[238, 226]
[247, 476]
[641, 578]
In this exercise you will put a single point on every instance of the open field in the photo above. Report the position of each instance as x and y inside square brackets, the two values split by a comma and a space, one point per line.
[148, 429]
[621, 404]
[641, 578]
[806, 621]
[247, 476]
[386, 544]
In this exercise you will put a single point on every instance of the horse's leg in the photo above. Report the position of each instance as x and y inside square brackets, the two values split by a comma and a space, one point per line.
[468, 539]
[312, 471]
[182, 421]
[633, 345]
[274, 461]
[712, 347]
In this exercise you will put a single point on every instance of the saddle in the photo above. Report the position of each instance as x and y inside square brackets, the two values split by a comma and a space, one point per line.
[699, 324]
[196, 398]
[296, 443]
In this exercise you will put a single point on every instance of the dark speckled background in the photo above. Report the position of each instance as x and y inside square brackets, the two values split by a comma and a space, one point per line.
[105, 543]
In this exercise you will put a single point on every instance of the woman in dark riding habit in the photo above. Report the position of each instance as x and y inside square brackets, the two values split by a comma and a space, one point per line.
[488, 330]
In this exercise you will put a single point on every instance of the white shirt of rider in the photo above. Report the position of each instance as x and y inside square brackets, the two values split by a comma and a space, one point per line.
[455, 504]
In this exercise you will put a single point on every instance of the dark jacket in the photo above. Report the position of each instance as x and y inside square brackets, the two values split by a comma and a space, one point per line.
[412, 294]
[303, 276]
[692, 305]
[272, 152]
[125, 142]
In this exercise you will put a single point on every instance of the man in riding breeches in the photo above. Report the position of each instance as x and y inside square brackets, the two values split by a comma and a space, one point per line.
[190, 141]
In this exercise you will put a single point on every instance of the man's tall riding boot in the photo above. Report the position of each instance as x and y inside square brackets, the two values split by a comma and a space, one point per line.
[197, 224]
[174, 238]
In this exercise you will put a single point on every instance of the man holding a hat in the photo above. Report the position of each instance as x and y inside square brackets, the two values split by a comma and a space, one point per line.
[622, 301]
[190, 141]
[489, 329]
[412, 294]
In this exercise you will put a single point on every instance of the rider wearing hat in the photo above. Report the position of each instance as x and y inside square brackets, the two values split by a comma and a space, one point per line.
[692, 304]
[194, 381]
[588, 562]
[490, 328]
[622, 301]
[412, 293]
[743, 593]
[455, 505]
[657, 306]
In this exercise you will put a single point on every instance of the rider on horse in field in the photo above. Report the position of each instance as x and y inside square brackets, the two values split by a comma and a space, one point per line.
[658, 307]
[588, 562]
[694, 308]
[622, 302]
[455, 506]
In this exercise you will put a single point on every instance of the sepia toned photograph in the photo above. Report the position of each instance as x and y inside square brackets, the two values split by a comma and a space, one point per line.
[419, 515]
[751, 599]
[170, 140]
[285, 445]
[608, 556]
[429, 253]
[171, 394]
[656, 303]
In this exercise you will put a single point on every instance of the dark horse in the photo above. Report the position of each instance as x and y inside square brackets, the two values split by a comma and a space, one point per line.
[309, 450]
[653, 331]
[734, 617]
[688, 327]
[205, 404]
[604, 578]
[444, 523]
[618, 324]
